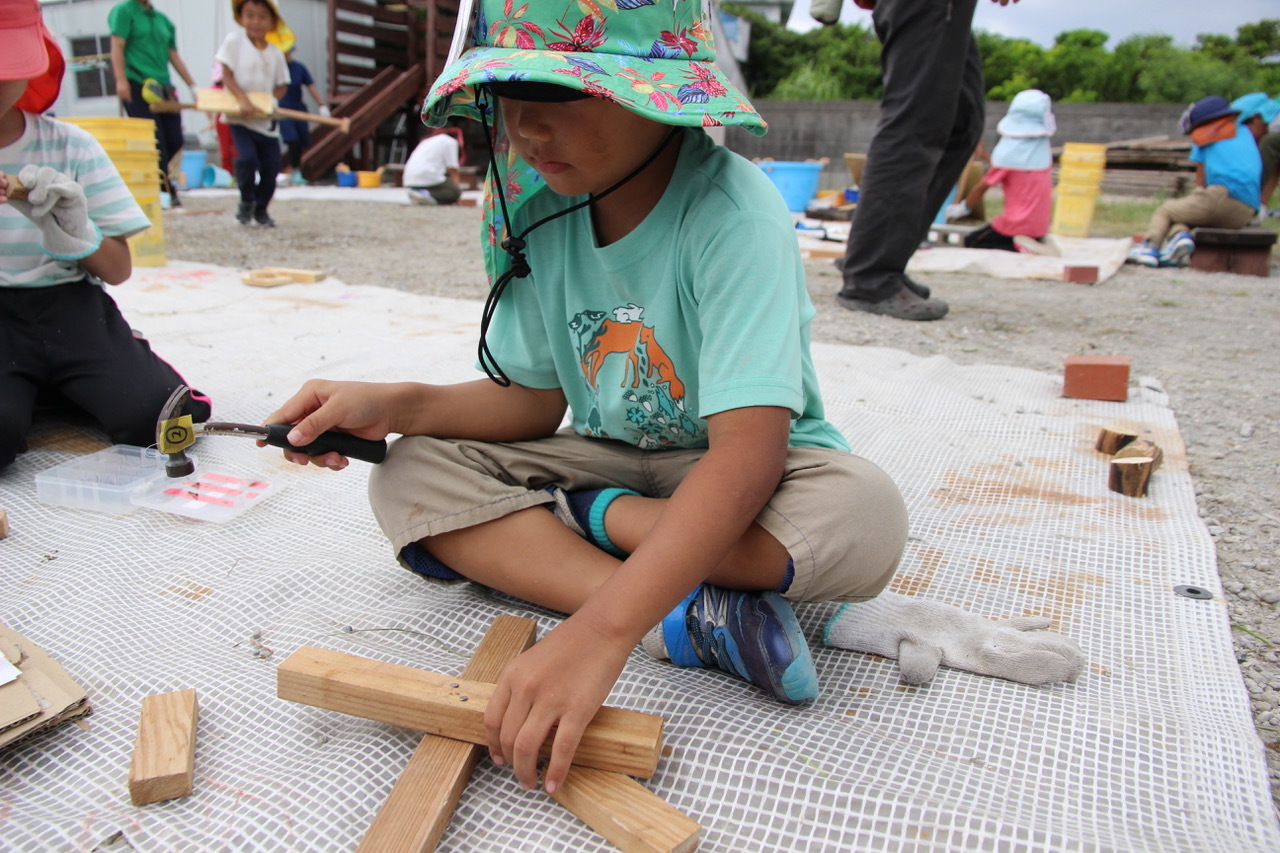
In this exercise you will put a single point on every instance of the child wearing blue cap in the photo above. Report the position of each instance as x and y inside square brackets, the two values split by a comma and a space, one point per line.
[1228, 179]
[1022, 164]
[655, 294]
[1268, 111]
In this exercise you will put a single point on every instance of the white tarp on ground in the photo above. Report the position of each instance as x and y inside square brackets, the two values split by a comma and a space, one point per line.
[1106, 254]
[1153, 748]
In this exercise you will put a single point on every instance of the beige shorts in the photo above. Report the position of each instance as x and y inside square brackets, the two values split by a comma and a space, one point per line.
[840, 517]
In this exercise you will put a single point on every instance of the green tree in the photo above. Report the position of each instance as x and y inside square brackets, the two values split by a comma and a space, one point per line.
[1008, 65]
[843, 62]
[1077, 67]
[1260, 40]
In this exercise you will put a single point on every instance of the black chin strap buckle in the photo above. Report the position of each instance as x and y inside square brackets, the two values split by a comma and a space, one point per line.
[514, 246]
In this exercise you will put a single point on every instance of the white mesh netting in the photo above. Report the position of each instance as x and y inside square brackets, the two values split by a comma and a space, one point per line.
[1152, 749]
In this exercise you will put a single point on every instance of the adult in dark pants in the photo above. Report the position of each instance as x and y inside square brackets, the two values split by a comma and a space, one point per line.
[931, 118]
[143, 46]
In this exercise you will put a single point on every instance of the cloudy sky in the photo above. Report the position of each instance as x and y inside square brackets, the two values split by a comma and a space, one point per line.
[1041, 20]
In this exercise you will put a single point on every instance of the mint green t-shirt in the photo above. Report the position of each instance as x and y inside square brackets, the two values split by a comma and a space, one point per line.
[701, 309]
[148, 36]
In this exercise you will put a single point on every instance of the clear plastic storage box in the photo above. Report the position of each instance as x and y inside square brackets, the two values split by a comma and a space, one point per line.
[105, 481]
[122, 478]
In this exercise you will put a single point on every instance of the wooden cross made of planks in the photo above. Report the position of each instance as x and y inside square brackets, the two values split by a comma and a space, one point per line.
[599, 789]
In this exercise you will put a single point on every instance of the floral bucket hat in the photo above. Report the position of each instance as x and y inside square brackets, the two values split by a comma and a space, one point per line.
[654, 57]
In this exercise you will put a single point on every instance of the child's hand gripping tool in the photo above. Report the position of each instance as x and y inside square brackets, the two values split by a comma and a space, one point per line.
[175, 432]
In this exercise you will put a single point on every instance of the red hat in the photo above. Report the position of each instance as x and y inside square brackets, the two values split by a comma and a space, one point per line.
[30, 54]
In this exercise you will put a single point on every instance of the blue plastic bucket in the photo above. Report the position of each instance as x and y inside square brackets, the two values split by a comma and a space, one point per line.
[798, 182]
[214, 176]
[193, 168]
[347, 179]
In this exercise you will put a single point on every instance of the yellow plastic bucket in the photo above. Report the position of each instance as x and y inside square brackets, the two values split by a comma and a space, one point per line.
[1073, 211]
[147, 248]
[124, 144]
[117, 128]
[134, 161]
[369, 179]
[1084, 154]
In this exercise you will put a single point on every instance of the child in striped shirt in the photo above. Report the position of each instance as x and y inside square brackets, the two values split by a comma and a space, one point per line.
[65, 215]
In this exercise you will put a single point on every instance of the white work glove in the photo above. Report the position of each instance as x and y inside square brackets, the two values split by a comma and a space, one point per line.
[922, 634]
[825, 11]
[959, 210]
[324, 111]
[58, 207]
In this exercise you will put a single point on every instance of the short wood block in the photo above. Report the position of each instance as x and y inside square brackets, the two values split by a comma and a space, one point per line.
[1130, 475]
[417, 811]
[615, 739]
[1246, 251]
[1080, 275]
[1111, 439]
[627, 814]
[164, 755]
[1096, 377]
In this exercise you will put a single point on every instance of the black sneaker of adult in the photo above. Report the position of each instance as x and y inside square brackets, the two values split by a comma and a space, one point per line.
[906, 304]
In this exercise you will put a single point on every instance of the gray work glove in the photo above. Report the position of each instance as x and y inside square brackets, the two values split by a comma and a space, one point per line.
[922, 634]
[57, 205]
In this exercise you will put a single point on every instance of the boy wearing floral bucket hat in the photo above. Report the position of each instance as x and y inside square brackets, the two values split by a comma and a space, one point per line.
[648, 282]
[64, 217]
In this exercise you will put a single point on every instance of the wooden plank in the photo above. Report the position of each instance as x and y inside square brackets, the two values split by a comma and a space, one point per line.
[373, 10]
[164, 755]
[222, 101]
[302, 277]
[615, 739]
[388, 34]
[627, 814]
[417, 811]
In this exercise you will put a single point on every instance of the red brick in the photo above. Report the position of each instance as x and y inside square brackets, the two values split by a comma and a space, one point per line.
[1080, 275]
[1096, 377]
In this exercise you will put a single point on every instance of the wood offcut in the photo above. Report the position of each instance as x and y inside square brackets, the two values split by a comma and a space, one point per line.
[616, 739]
[1111, 439]
[164, 756]
[418, 809]
[1132, 466]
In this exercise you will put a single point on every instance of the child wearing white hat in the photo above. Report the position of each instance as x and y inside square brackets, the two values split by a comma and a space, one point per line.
[1021, 164]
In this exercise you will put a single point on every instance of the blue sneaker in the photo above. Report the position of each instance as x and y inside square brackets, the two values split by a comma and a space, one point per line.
[1145, 254]
[753, 635]
[1177, 252]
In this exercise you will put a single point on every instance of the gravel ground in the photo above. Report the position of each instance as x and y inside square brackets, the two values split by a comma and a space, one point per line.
[1210, 339]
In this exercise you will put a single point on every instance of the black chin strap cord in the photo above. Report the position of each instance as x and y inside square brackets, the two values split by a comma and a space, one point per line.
[514, 246]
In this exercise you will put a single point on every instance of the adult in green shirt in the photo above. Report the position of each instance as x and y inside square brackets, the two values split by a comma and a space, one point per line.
[143, 45]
